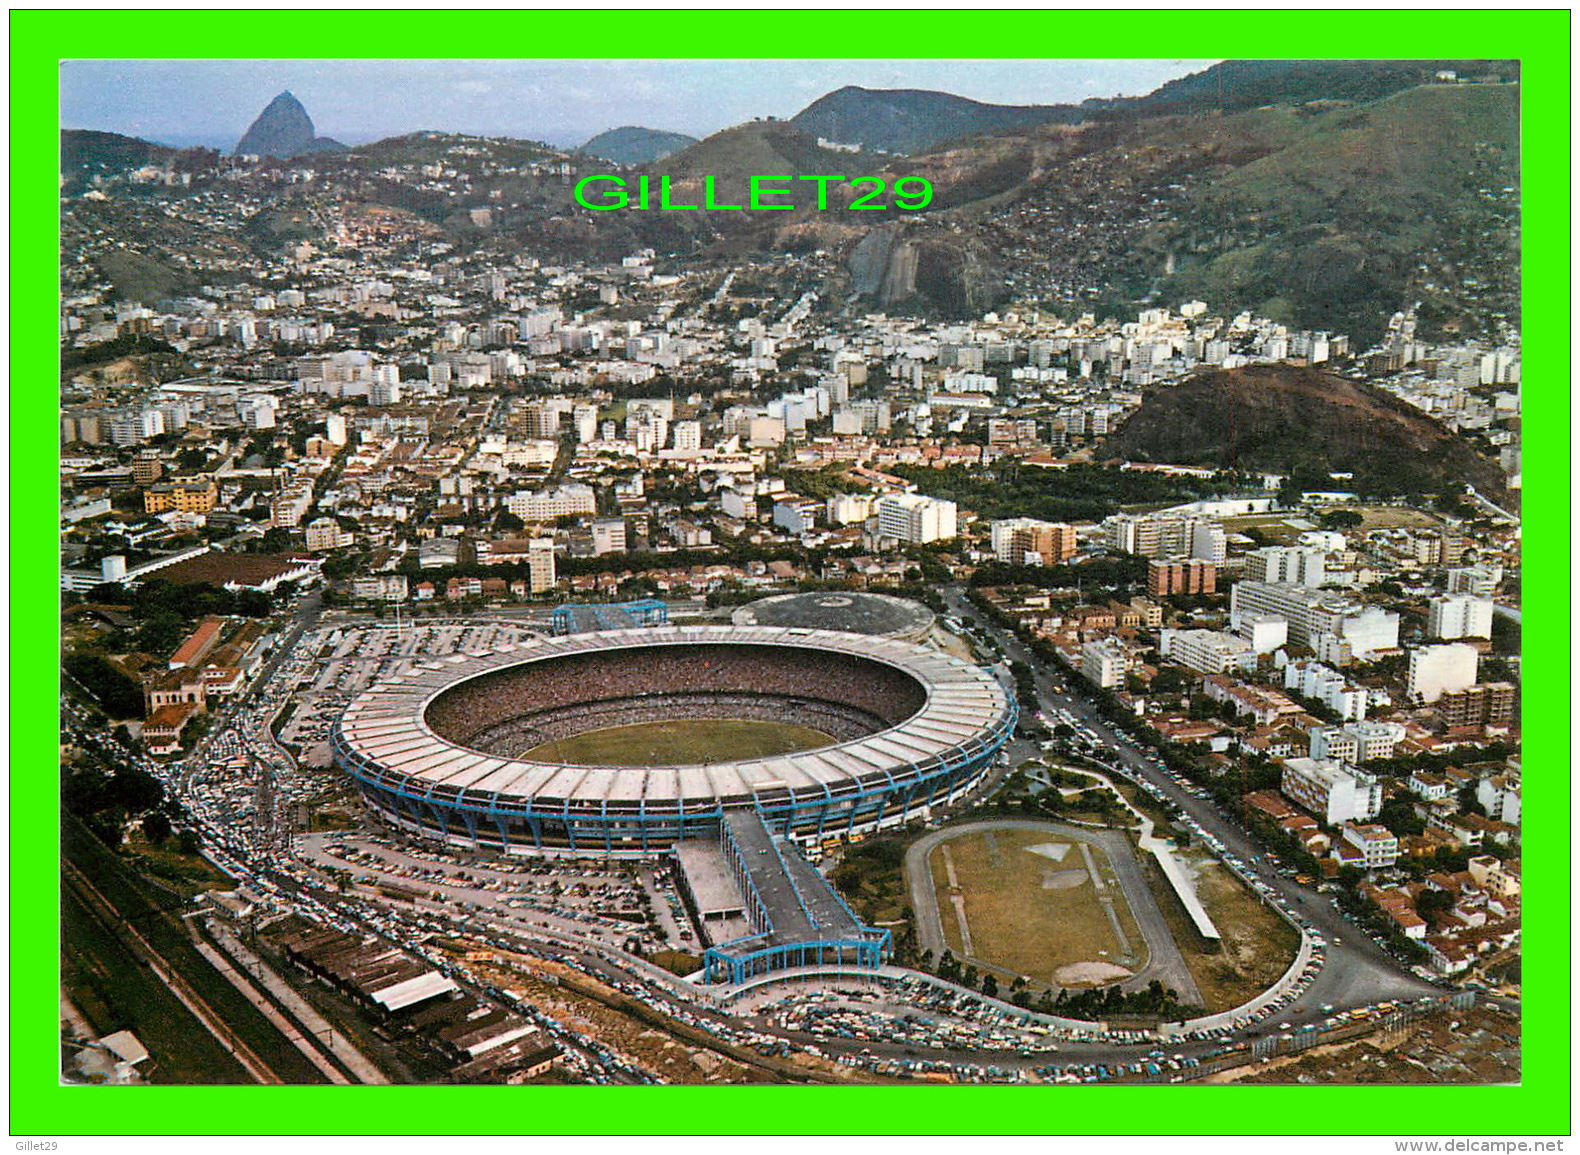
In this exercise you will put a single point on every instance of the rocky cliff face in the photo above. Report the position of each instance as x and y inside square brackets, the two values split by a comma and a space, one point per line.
[284, 130]
[953, 276]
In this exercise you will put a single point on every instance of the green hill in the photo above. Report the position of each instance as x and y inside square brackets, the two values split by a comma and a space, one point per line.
[1287, 419]
[1355, 213]
[907, 120]
[635, 145]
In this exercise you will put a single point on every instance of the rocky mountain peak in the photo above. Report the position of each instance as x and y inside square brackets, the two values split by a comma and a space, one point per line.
[283, 130]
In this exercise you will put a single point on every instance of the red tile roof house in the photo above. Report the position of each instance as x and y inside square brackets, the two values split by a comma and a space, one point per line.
[162, 730]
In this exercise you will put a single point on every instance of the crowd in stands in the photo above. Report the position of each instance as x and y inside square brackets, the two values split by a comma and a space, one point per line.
[515, 709]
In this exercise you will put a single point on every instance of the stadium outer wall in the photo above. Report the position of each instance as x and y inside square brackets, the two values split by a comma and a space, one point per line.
[406, 772]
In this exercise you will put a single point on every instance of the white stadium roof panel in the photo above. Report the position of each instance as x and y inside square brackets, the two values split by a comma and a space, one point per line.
[387, 724]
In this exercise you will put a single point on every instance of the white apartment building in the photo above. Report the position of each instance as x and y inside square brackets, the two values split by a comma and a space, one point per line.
[1355, 631]
[540, 564]
[384, 392]
[290, 506]
[1304, 567]
[1167, 535]
[849, 508]
[1265, 632]
[1356, 743]
[547, 504]
[1377, 843]
[687, 435]
[608, 536]
[1459, 616]
[1499, 795]
[1105, 663]
[1439, 670]
[1329, 791]
[1208, 651]
[797, 515]
[915, 519]
[325, 533]
[1479, 581]
[387, 587]
[258, 412]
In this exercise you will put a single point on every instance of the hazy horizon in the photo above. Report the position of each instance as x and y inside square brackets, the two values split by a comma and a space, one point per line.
[562, 102]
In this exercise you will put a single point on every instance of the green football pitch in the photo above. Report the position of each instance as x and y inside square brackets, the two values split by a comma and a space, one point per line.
[681, 743]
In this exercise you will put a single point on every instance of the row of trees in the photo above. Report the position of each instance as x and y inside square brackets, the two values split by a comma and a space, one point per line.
[1079, 493]
[1092, 1004]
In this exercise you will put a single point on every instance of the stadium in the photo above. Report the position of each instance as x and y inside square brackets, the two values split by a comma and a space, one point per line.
[622, 743]
[850, 611]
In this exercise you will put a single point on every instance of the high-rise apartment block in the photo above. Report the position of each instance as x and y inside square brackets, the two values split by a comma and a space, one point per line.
[1181, 576]
[1329, 791]
[1459, 616]
[1025, 540]
[912, 518]
[1439, 670]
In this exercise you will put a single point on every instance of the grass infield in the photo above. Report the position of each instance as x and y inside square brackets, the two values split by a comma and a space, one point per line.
[680, 743]
[1031, 908]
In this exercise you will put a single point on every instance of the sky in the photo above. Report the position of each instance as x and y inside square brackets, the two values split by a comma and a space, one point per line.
[563, 102]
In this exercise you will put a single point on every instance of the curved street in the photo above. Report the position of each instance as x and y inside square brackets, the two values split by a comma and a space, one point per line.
[1356, 972]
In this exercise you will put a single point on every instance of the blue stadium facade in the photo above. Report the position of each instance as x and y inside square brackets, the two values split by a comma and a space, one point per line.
[471, 792]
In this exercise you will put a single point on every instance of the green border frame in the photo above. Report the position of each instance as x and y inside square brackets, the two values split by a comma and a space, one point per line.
[40, 1107]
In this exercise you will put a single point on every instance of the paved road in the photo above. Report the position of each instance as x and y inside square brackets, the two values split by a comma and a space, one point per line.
[1357, 971]
[1164, 961]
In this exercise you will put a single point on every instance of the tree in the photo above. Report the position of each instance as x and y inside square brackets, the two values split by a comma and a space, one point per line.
[161, 633]
[990, 986]
[1342, 519]
[1430, 903]
[156, 828]
[254, 603]
[276, 540]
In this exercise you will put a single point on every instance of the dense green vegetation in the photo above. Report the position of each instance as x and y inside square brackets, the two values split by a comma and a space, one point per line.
[112, 350]
[117, 695]
[1079, 493]
[1097, 573]
[1359, 212]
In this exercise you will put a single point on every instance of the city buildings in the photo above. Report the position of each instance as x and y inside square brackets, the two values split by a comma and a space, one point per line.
[1438, 670]
[1459, 616]
[1105, 663]
[1208, 651]
[1338, 629]
[1332, 793]
[1356, 743]
[1379, 847]
[1298, 566]
[1167, 535]
[1181, 576]
[1027, 541]
[1487, 705]
[915, 519]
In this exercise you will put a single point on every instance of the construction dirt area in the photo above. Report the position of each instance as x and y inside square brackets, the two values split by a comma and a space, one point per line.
[676, 1053]
[1257, 945]
[1477, 1046]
